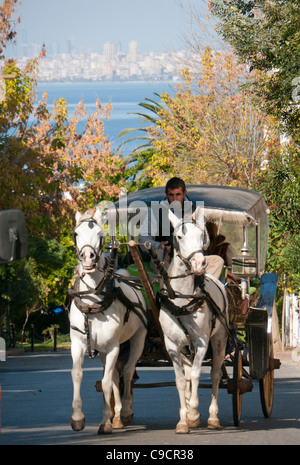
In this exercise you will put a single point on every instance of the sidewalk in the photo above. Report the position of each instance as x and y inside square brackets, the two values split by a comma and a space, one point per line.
[289, 356]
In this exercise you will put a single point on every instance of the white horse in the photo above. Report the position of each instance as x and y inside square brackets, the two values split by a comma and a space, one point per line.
[100, 321]
[197, 326]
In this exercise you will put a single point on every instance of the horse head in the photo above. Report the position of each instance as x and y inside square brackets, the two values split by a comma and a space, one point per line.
[190, 240]
[89, 239]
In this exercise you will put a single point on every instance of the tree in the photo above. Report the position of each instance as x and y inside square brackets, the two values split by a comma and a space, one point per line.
[7, 33]
[265, 35]
[43, 278]
[48, 170]
[280, 185]
[140, 159]
[208, 132]
[53, 170]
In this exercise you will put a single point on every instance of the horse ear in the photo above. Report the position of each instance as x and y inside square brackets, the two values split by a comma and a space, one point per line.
[174, 220]
[77, 217]
[200, 220]
[98, 217]
[198, 217]
[206, 240]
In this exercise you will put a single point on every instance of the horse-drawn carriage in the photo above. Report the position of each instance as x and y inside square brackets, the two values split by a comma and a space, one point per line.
[190, 318]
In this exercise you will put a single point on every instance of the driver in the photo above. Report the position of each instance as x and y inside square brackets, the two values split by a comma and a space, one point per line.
[157, 229]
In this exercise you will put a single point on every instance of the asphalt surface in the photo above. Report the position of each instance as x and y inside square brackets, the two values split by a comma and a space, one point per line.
[37, 396]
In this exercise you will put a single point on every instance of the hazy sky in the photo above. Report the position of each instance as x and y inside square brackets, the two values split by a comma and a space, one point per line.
[154, 24]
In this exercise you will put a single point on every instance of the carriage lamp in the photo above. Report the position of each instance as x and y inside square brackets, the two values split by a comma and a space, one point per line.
[245, 264]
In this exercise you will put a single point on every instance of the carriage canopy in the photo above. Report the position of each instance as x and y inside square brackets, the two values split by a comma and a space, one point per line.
[230, 207]
[228, 204]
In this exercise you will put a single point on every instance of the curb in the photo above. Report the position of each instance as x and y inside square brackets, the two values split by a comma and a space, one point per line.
[12, 352]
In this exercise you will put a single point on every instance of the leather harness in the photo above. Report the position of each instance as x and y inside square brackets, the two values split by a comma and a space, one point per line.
[108, 290]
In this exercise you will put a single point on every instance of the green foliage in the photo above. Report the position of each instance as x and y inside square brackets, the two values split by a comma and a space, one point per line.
[23, 154]
[41, 279]
[42, 160]
[266, 35]
[280, 185]
[207, 132]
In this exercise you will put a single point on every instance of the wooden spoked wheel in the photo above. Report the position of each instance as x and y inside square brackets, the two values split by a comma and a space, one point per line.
[236, 393]
[266, 385]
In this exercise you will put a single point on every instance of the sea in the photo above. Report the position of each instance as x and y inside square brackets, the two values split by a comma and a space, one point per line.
[124, 97]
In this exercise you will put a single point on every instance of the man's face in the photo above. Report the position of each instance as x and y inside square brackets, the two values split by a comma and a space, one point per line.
[176, 195]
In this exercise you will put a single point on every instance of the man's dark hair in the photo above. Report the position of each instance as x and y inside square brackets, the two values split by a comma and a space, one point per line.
[175, 183]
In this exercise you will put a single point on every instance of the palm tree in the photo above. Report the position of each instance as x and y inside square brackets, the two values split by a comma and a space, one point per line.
[138, 159]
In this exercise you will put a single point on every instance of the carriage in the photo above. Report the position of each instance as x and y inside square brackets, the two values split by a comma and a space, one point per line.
[242, 215]
[249, 294]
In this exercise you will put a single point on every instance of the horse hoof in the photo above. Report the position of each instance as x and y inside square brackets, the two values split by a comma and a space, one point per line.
[127, 420]
[105, 429]
[182, 429]
[213, 424]
[194, 423]
[117, 424]
[77, 425]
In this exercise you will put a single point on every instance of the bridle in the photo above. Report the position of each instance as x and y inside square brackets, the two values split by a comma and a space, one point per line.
[79, 252]
[186, 260]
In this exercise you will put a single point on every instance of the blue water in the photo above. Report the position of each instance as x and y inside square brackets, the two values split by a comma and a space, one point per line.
[123, 96]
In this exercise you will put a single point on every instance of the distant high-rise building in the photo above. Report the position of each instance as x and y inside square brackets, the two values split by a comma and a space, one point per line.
[119, 47]
[69, 46]
[133, 51]
[56, 48]
[108, 52]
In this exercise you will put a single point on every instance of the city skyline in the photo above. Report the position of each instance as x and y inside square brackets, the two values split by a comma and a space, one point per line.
[111, 64]
[158, 25]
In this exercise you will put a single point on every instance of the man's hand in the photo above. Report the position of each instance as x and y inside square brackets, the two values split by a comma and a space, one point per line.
[165, 245]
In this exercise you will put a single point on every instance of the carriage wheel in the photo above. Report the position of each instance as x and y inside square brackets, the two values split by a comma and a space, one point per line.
[236, 393]
[266, 385]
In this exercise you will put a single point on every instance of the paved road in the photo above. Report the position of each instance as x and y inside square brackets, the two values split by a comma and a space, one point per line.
[37, 395]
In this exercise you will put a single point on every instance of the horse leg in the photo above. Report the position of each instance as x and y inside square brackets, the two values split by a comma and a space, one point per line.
[187, 370]
[193, 415]
[136, 348]
[107, 387]
[114, 405]
[77, 419]
[117, 422]
[174, 352]
[218, 342]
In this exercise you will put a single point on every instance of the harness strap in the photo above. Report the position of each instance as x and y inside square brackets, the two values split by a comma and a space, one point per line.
[133, 306]
[196, 302]
[99, 307]
[217, 312]
[86, 332]
[194, 305]
[163, 272]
